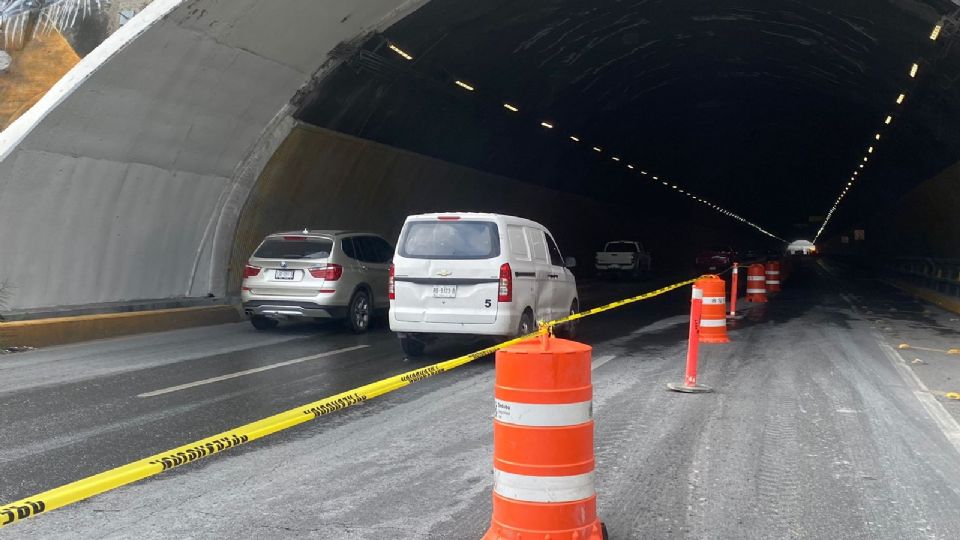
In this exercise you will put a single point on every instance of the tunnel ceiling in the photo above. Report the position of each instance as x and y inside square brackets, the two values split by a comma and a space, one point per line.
[763, 106]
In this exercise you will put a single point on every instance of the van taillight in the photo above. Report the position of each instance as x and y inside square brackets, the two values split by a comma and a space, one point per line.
[251, 271]
[329, 272]
[505, 294]
[392, 284]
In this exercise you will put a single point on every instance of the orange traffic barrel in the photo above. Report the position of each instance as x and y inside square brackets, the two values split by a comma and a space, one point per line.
[772, 272]
[543, 479]
[713, 316]
[756, 283]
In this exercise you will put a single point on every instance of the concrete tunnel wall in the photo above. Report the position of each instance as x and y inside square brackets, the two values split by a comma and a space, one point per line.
[126, 180]
[323, 179]
[924, 223]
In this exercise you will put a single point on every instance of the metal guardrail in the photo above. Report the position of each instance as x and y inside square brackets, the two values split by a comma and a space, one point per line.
[939, 275]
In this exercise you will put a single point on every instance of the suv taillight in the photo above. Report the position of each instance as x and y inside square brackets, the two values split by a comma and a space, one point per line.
[251, 271]
[329, 272]
[392, 284]
[505, 294]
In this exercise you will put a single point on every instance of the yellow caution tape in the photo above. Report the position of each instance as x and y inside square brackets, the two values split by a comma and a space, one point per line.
[188, 453]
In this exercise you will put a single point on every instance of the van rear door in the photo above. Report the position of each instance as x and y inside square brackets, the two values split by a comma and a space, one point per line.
[447, 271]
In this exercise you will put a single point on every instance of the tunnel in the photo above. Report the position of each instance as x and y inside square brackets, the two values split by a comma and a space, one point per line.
[763, 111]
[148, 174]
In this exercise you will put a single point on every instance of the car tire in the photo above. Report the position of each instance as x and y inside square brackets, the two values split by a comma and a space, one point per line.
[263, 323]
[359, 312]
[411, 347]
[527, 324]
[568, 330]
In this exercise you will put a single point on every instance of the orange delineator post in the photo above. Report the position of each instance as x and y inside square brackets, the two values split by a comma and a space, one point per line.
[772, 272]
[543, 478]
[713, 321]
[756, 283]
[690, 385]
[733, 290]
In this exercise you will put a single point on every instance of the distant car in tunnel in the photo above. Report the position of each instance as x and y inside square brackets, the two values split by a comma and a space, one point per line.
[716, 259]
[476, 274]
[317, 274]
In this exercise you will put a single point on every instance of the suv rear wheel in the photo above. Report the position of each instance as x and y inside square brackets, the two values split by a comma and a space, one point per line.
[568, 330]
[263, 323]
[358, 312]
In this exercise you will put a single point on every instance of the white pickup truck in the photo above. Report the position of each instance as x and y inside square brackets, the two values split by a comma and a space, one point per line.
[623, 257]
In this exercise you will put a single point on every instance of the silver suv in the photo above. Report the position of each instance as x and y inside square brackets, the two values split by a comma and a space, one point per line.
[317, 275]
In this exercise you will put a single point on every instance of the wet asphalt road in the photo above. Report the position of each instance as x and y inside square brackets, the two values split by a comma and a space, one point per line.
[815, 431]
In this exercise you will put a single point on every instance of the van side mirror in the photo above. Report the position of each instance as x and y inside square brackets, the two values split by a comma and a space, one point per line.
[570, 262]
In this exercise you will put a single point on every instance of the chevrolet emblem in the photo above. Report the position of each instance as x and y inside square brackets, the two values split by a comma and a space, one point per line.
[444, 273]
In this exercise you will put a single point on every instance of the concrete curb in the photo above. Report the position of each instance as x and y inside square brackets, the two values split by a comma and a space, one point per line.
[63, 330]
[946, 302]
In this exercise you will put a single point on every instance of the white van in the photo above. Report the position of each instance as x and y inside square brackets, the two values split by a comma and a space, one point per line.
[477, 274]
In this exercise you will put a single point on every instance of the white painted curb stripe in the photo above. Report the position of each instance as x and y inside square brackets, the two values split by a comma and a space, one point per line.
[540, 415]
[713, 323]
[543, 489]
[714, 300]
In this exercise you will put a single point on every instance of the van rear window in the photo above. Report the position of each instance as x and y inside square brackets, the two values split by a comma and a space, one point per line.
[308, 248]
[450, 240]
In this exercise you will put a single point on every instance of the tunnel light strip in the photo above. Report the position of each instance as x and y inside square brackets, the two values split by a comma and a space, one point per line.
[401, 52]
[914, 69]
[549, 125]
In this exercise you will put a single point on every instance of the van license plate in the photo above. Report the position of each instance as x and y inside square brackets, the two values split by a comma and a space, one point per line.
[444, 291]
[283, 274]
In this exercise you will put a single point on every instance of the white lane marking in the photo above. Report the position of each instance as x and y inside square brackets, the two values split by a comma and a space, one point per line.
[945, 421]
[601, 360]
[941, 417]
[249, 371]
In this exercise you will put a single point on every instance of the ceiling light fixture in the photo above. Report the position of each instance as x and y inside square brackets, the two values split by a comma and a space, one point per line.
[913, 70]
[900, 98]
[464, 85]
[510, 107]
[547, 125]
[401, 52]
[574, 138]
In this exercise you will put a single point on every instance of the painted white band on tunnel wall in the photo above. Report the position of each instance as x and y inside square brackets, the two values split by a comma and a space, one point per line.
[756, 291]
[541, 415]
[714, 300]
[543, 489]
[713, 323]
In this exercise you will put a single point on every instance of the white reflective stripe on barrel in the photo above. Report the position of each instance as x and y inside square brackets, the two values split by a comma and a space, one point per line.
[772, 272]
[535, 414]
[713, 323]
[756, 291]
[713, 300]
[755, 278]
[543, 489]
[773, 282]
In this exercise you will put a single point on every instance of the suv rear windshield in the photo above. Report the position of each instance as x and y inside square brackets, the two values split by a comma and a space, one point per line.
[294, 248]
[450, 240]
[622, 247]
